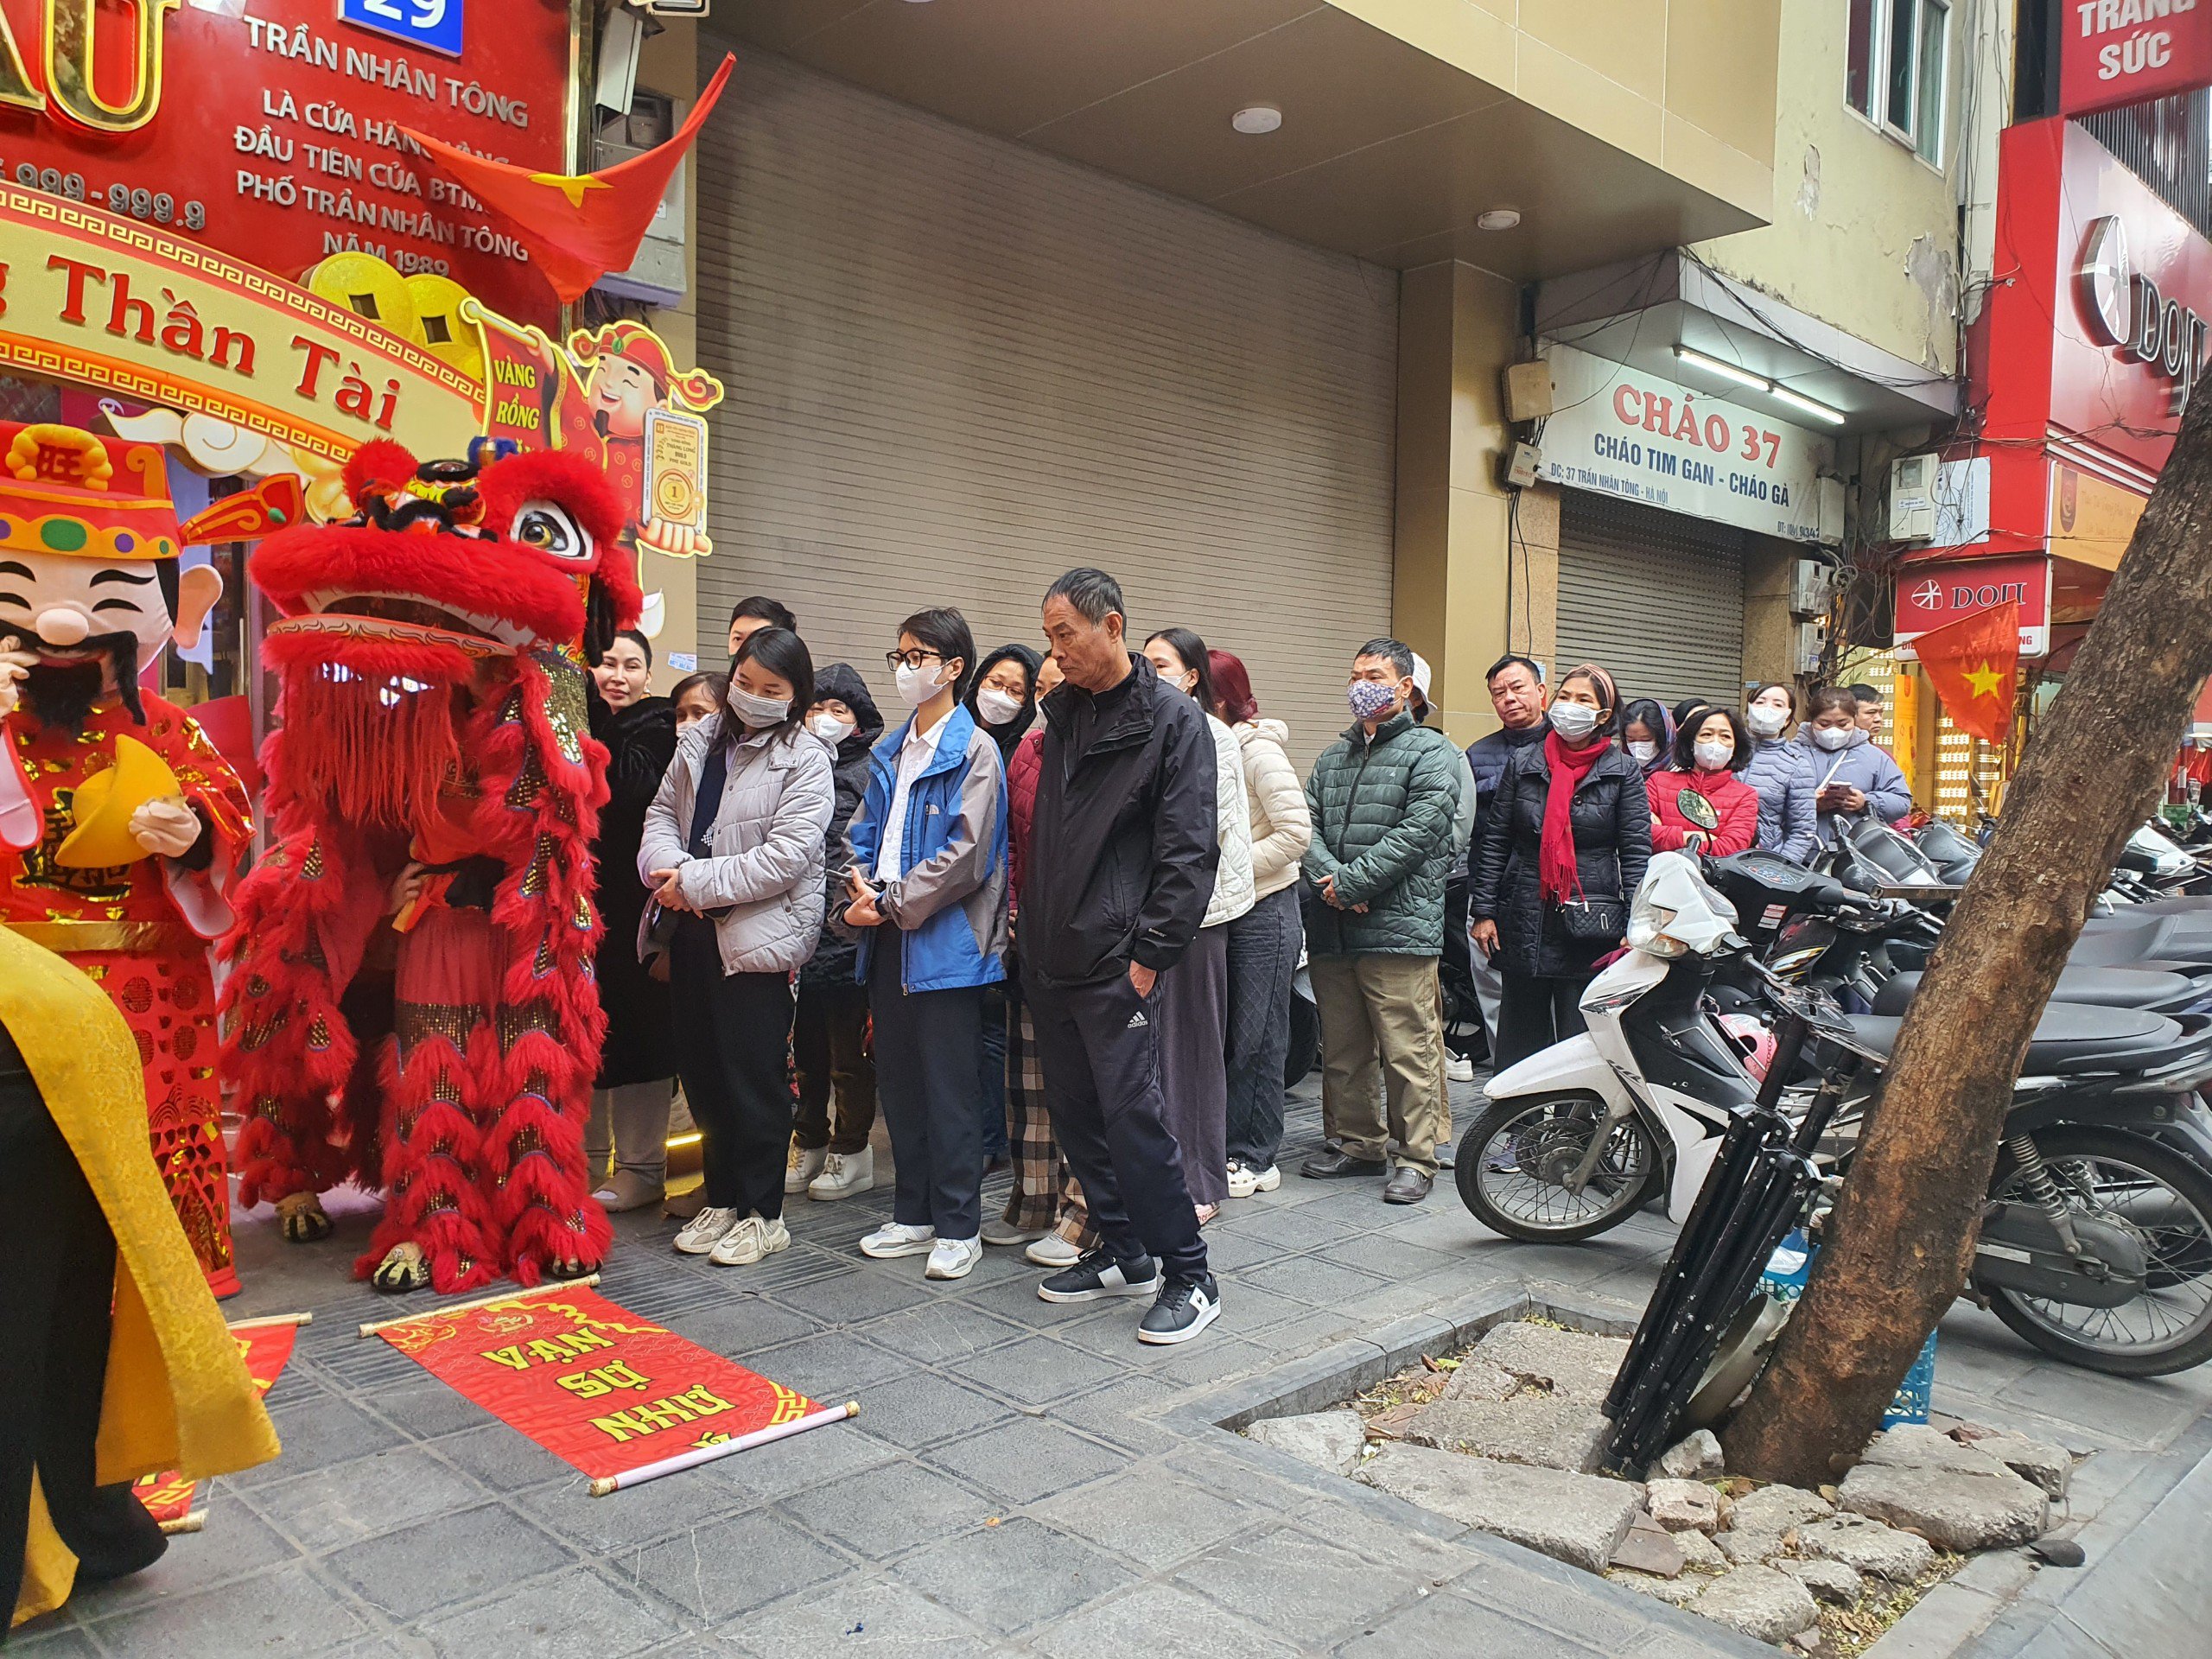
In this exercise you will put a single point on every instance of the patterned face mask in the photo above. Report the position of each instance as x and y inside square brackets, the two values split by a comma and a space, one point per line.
[1371, 699]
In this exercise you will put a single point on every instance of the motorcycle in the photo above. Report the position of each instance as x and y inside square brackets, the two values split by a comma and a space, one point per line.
[2096, 1239]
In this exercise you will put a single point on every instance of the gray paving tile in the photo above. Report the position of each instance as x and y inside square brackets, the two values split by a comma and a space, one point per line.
[1153, 1521]
[734, 1564]
[351, 1501]
[1125, 1412]
[829, 1366]
[938, 1333]
[1036, 1370]
[1297, 1228]
[423, 1411]
[1393, 1260]
[1314, 1281]
[451, 1558]
[51, 1638]
[621, 1523]
[1160, 1619]
[1436, 1623]
[882, 1511]
[571, 1615]
[236, 1543]
[504, 1459]
[864, 1292]
[317, 1432]
[916, 1411]
[860, 1619]
[742, 1326]
[1208, 1359]
[1311, 1592]
[820, 1455]
[1024, 1459]
[264, 1614]
[1006, 1578]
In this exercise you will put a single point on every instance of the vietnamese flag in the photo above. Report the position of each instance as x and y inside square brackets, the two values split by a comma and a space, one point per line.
[578, 226]
[1975, 663]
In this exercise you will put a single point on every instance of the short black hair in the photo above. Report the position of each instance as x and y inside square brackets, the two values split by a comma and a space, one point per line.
[1864, 692]
[1193, 650]
[1685, 737]
[1681, 710]
[637, 639]
[773, 612]
[713, 684]
[783, 654]
[1095, 595]
[1647, 712]
[1831, 696]
[946, 632]
[1508, 660]
[1400, 654]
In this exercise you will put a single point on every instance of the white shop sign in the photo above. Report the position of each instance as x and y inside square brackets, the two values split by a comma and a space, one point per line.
[1633, 436]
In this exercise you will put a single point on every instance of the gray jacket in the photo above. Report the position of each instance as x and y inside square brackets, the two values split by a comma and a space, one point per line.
[766, 844]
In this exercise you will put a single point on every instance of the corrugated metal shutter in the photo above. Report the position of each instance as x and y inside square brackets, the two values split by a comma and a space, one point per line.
[957, 368]
[1655, 598]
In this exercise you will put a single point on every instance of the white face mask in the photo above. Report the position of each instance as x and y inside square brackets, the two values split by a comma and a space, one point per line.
[1765, 722]
[1714, 757]
[1645, 752]
[917, 685]
[1833, 738]
[996, 706]
[1573, 721]
[831, 729]
[756, 712]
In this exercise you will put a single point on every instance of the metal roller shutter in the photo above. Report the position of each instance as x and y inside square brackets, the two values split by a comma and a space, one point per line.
[957, 368]
[1655, 598]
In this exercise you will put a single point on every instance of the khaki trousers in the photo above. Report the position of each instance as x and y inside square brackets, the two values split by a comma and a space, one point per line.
[1385, 1006]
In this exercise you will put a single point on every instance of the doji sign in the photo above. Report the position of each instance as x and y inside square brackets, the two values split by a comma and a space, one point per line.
[1933, 593]
[2116, 52]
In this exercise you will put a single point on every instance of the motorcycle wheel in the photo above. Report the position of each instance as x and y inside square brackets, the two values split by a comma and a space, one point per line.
[1513, 1159]
[2160, 1195]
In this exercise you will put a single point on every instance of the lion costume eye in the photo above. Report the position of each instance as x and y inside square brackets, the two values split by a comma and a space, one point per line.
[549, 528]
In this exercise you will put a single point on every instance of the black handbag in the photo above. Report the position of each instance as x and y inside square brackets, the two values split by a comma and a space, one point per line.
[1594, 921]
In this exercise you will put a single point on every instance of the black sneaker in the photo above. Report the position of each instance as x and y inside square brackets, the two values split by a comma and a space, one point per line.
[1186, 1308]
[1096, 1273]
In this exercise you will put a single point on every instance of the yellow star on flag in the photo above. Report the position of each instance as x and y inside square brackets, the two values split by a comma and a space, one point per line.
[1985, 680]
[571, 185]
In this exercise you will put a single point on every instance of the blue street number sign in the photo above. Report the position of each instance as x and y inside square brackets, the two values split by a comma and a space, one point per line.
[432, 23]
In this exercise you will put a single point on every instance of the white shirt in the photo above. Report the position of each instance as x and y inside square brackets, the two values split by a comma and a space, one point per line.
[914, 757]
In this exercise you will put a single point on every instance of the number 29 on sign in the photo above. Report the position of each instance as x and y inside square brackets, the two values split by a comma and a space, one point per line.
[432, 23]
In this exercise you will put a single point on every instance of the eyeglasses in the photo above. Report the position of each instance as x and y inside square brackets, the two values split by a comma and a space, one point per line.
[895, 660]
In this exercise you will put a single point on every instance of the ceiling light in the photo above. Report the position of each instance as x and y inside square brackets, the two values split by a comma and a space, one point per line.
[1805, 406]
[1690, 359]
[1497, 219]
[1256, 118]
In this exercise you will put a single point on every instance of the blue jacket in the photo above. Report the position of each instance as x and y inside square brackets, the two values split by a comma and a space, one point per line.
[950, 896]
[1788, 824]
[1864, 765]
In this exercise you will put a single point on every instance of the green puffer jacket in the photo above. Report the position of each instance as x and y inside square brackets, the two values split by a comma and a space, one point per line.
[1382, 815]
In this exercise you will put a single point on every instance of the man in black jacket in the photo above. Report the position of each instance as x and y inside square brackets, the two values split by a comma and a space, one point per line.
[1121, 867]
[1517, 692]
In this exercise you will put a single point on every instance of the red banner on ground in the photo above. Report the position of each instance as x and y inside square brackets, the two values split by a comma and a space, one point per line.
[593, 1384]
[265, 1347]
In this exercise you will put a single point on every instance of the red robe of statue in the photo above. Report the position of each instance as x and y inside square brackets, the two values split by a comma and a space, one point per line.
[141, 930]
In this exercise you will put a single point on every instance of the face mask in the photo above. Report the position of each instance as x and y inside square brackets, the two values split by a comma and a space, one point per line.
[996, 706]
[1767, 723]
[756, 712]
[1833, 738]
[1715, 757]
[831, 729]
[1646, 752]
[1371, 699]
[1573, 721]
[917, 685]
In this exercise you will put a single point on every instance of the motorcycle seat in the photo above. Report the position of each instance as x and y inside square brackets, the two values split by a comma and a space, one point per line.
[2102, 988]
[2068, 1037]
[2130, 942]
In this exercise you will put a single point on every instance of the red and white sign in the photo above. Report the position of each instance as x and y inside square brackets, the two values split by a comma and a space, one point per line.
[1933, 593]
[2116, 52]
[270, 129]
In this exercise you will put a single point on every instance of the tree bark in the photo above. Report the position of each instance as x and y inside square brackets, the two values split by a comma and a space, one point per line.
[1900, 1238]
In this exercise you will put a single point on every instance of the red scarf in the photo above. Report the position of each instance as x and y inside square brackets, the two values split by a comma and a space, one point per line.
[1555, 871]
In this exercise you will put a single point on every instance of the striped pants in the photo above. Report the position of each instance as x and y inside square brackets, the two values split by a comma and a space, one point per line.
[1045, 1193]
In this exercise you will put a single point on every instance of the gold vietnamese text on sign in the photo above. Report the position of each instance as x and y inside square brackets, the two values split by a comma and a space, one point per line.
[112, 303]
[2091, 521]
[73, 61]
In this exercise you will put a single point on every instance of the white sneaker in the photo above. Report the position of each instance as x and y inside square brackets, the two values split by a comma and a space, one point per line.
[805, 1165]
[846, 1173]
[1053, 1251]
[706, 1230]
[952, 1258]
[1458, 1068]
[1244, 1182]
[895, 1239]
[750, 1240]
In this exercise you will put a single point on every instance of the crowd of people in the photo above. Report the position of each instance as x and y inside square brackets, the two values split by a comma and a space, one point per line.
[1051, 918]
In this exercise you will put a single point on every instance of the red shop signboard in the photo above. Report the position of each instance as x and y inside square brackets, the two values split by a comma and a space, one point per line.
[270, 128]
[2116, 52]
[1934, 592]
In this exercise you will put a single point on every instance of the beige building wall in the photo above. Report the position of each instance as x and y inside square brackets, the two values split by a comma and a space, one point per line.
[669, 64]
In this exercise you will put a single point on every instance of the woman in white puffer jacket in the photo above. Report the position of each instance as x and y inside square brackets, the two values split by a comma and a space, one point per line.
[1265, 941]
[1192, 999]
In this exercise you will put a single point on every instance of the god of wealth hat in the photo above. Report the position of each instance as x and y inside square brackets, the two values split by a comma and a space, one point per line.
[62, 492]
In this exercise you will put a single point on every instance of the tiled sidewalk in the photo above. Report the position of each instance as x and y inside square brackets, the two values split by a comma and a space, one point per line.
[1011, 1486]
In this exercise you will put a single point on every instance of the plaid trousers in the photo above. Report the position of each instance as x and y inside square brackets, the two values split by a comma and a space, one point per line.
[1045, 1192]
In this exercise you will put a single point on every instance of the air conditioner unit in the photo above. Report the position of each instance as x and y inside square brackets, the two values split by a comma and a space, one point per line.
[1808, 641]
[1811, 583]
[1912, 499]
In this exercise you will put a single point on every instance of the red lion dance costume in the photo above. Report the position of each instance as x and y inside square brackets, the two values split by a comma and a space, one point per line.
[410, 1004]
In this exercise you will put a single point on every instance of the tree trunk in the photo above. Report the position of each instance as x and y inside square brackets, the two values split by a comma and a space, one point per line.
[1900, 1240]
